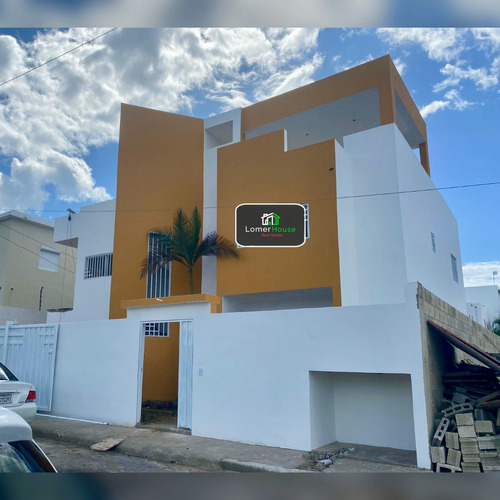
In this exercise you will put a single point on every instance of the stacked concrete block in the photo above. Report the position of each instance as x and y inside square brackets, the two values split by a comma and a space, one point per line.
[438, 454]
[474, 447]
[454, 458]
[438, 437]
[451, 440]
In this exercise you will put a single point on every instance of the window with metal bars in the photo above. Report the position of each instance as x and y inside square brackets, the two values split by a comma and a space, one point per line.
[155, 329]
[158, 282]
[97, 266]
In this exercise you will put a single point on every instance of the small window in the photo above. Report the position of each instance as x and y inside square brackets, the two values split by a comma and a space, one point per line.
[306, 215]
[433, 241]
[155, 329]
[49, 259]
[454, 268]
[97, 266]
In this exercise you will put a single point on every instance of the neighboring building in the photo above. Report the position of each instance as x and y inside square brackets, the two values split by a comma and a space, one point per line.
[344, 148]
[36, 274]
[91, 231]
[483, 304]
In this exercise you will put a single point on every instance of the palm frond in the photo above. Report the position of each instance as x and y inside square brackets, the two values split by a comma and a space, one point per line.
[217, 246]
[193, 234]
[179, 233]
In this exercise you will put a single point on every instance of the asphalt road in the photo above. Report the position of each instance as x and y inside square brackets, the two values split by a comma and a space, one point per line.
[68, 457]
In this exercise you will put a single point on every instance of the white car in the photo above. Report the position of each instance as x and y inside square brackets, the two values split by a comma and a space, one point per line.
[17, 396]
[18, 451]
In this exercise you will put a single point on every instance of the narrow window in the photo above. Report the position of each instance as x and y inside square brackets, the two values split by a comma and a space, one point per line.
[155, 329]
[306, 215]
[97, 266]
[49, 259]
[158, 283]
[454, 267]
[433, 241]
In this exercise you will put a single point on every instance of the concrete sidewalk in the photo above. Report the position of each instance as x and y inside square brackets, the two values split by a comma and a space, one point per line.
[215, 454]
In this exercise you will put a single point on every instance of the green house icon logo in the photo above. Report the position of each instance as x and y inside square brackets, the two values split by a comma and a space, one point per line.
[271, 219]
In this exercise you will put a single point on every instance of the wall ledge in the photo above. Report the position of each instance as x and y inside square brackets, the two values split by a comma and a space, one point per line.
[175, 299]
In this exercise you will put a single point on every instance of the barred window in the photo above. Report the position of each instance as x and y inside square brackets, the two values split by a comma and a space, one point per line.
[155, 329]
[97, 266]
[158, 284]
[433, 242]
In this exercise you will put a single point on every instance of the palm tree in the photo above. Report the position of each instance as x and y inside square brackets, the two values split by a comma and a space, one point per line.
[182, 243]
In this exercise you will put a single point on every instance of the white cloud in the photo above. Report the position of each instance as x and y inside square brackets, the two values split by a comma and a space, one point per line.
[453, 101]
[433, 107]
[400, 65]
[481, 273]
[50, 118]
[440, 44]
[352, 64]
[481, 77]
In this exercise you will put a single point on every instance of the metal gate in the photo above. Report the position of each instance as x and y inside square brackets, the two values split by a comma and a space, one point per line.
[29, 351]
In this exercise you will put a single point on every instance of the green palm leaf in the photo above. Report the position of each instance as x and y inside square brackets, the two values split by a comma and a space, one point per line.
[182, 243]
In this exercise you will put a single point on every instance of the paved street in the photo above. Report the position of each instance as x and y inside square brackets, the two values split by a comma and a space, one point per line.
[68, 457]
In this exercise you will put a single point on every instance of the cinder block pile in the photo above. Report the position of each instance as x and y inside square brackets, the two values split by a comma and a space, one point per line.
[467, 436]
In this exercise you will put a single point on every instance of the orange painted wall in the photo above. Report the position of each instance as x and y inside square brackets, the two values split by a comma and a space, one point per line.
[379, 73]
[259, 171]
[161, 366]
[160, 169]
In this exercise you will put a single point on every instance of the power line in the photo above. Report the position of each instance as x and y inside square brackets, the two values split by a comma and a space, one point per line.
[57, 57]
[35, 253]
[368, 195]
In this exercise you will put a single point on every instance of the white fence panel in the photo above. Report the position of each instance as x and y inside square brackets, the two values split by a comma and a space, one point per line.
[29, 351]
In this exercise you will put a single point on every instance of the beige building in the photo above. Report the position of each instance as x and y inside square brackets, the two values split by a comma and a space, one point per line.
[36, 274]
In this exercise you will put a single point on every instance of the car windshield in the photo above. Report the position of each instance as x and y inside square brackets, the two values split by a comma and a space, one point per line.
[23, 456]
[6, 374]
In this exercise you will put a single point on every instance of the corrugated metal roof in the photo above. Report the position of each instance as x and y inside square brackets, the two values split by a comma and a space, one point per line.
[482, 356]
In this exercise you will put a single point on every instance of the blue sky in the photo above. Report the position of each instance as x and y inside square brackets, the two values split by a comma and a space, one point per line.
[59, 124]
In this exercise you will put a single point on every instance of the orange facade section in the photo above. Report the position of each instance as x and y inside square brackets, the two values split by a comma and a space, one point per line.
[161, 366]
[260, 171]
[379, 73]
[160, 169]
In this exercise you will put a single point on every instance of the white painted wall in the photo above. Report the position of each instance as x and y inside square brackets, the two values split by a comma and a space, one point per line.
[256, 373]
[370, 227]
[209, 264]
[423, 213]
[96, 371]
[385, 241]
[252, 374]
[374, 409]
[94, 228]
[489, 299]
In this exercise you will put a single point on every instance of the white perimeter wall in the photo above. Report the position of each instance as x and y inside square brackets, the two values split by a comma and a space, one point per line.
[94, 226]
[252, 376]
[292, 379]
[96, 371]
[385, 241]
